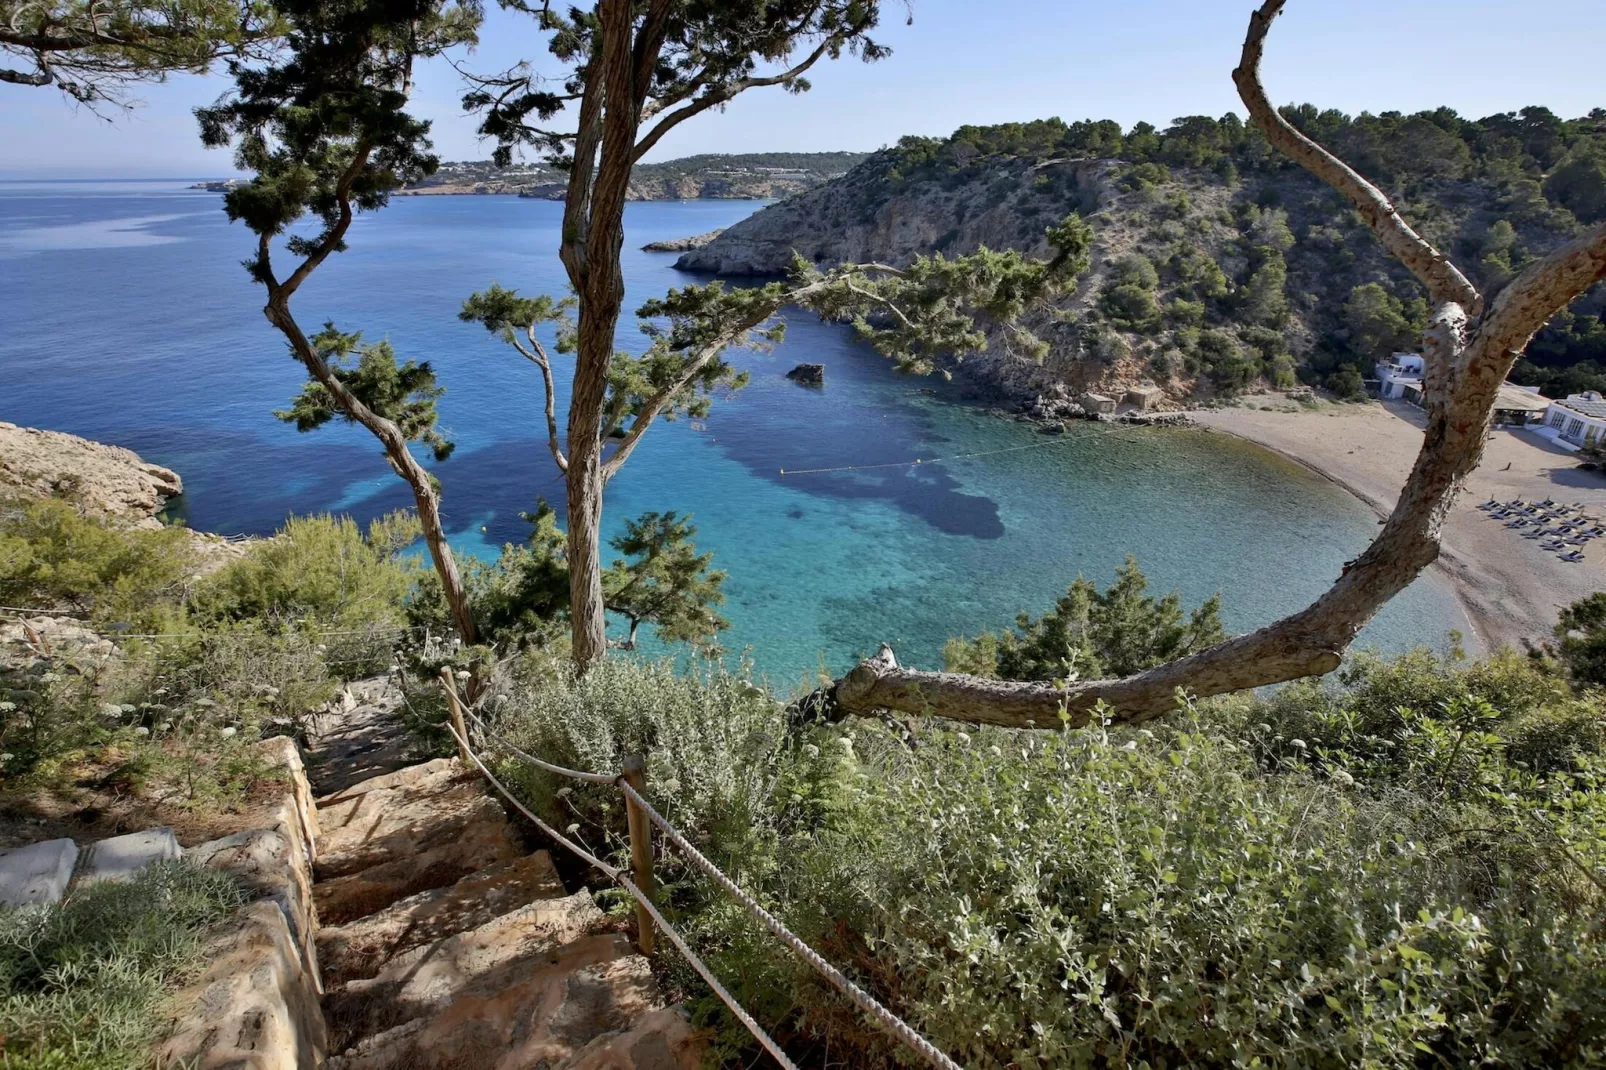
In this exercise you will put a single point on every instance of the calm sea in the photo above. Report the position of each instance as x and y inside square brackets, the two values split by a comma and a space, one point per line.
[125, 317]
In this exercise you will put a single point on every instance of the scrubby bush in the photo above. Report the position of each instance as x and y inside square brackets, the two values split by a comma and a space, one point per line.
[82, 982]
[53, 556]
[1177, 895]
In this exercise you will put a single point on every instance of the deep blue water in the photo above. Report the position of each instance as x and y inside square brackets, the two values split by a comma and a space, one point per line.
[125, 317]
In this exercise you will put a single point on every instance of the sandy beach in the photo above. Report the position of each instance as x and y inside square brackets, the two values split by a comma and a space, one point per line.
[1510, 587]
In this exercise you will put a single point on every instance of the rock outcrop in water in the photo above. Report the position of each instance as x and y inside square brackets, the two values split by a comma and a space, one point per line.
[107, 481]
[808, 374]
[681, 245]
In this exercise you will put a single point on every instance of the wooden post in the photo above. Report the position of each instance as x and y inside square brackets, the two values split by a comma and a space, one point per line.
[457, 714]
[635, 774]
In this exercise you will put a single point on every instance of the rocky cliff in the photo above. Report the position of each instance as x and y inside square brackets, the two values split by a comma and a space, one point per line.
[107, 481]
[1216, 267]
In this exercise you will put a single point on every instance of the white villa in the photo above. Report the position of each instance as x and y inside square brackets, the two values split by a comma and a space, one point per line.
[1580, 419]
[1400, 376]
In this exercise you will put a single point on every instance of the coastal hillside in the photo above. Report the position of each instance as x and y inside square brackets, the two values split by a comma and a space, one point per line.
[742, 176]
[1217, 265]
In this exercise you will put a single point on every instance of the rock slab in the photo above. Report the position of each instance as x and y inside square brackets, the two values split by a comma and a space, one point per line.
[121, 857]
[106, 480]
[37, 873]
[255, 1007]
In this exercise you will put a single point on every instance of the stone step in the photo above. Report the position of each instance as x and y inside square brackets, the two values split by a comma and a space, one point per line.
[360, 948]
[439, 841]
[424, 980]
[37, 873]
[589, 1003]
[421, 777]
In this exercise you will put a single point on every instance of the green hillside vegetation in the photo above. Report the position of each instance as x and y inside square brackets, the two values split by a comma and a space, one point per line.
[1227, 265]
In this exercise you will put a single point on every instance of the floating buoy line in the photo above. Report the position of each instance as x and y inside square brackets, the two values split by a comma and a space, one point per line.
[1058, 440]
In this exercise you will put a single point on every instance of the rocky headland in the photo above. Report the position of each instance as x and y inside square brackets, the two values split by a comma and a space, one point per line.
[105, 481]
[1216, 269]
[681, 245]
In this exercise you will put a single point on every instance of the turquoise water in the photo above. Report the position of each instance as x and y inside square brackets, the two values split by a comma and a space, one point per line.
[127, 318]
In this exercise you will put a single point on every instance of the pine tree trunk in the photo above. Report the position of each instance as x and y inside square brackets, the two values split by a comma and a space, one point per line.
[588, 623]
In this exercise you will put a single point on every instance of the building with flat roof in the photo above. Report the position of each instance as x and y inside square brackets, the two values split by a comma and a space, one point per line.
[1578, 418]
[1400, 376]
[1519, 406]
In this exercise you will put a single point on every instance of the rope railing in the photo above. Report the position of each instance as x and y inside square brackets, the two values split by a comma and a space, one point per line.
[635, 799]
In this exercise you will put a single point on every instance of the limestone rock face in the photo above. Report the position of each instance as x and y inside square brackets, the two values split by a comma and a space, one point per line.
[106, 480]
[255, 1007]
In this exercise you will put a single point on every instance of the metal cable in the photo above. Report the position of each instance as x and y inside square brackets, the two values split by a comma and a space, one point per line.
[866, 1002]
[614, 873]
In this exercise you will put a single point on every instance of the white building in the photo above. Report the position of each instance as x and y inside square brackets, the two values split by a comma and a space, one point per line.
[1580, 419]
[1400, 377]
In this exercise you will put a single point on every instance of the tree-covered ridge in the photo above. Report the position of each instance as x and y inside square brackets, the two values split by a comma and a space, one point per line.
[1221, 264]
[751, 174]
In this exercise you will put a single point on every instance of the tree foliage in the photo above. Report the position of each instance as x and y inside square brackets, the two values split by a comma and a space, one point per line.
[1091, 633]
[403, 392]
[94, 51]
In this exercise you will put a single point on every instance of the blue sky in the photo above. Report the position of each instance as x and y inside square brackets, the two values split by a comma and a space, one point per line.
[963, 62]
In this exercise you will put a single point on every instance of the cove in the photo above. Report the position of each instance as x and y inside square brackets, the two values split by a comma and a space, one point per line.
[127, 318]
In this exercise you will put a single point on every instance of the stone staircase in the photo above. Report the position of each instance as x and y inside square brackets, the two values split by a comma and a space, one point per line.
[442, 942]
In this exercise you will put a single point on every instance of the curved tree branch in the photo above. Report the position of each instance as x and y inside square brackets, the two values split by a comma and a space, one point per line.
[1444, 280]
[1466, 364]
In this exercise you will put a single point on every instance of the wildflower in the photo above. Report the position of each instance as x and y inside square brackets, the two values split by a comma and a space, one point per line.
[1130, 744]
[142, 731]
[847, 744]
[995, 752]
[226, 732]
[1297, 744]
[810, 750]
[964, 738]
[565, 791]
[1144, 733]
[573, 829]
[1342, 776]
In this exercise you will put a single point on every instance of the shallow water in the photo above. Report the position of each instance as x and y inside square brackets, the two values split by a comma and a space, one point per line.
[125, 317]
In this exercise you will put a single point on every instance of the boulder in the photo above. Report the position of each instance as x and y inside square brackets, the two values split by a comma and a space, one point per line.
[121, 857]
[255, 1007]
[808, 374]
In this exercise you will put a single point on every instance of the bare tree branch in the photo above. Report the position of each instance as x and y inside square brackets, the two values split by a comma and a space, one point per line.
[1444, 280]
[537, 355]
